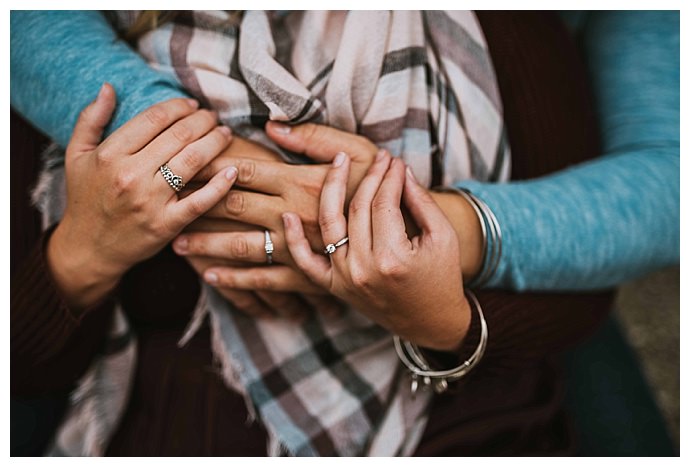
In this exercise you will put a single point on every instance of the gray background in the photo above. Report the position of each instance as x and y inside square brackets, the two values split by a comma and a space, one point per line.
[649, 311]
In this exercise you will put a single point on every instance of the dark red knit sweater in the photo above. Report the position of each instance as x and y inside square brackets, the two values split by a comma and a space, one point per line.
[511, 404]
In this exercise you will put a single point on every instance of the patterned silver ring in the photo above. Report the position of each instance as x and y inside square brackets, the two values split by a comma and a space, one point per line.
[268, 247]
[331, 247]
[175, 181]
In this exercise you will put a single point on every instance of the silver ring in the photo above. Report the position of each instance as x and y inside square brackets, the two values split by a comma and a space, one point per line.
[331, 247]
[175, 181]
[268, 247]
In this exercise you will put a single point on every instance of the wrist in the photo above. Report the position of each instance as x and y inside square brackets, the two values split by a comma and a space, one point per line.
[468, 229]
[81, 275]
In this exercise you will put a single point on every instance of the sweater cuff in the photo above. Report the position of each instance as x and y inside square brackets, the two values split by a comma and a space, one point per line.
[41, 320]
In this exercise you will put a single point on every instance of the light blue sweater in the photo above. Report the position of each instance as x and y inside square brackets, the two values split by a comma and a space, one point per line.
[591, 226]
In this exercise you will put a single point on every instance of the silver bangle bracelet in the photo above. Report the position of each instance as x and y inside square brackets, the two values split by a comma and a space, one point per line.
[492, 236]
[420, 370]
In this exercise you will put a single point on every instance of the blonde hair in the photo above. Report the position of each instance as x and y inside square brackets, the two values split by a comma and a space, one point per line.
[149, 20]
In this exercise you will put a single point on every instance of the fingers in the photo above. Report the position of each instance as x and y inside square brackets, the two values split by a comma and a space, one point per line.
[184, 211]
[332, 204]
[210, 224]
[239, 148]
[268, 177]
[247, 302]
[88, 130]
[267, 278]
[247, 207]
[236, 246]
[139, 131]
[423, 209]
[387, 223]
[287, 305]
[315, 266]
[199, 153]
[319, 142]
[325, 305]
[182, 133]
[359, 218]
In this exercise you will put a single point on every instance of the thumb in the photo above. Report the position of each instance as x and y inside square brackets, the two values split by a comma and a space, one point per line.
[422, 207]
[88, 130]
[320, 142]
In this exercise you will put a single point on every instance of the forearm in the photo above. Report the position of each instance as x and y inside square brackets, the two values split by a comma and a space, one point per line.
[590, 227]
[617, 217]
[60, 59]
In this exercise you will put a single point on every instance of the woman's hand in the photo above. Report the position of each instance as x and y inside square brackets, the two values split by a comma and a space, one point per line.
[413, 287]
[223, 245]
[120, 210]
[276, 187]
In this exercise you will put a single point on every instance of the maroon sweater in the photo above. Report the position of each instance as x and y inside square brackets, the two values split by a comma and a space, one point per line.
[510, 404]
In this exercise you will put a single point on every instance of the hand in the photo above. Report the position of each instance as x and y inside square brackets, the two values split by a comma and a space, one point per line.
[412, 287]
[215, 240]
[277, 187]
[120, 210]
[220, 245]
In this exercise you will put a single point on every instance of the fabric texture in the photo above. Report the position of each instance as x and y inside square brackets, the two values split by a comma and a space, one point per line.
[606, 221]
[329, 386]
[518, 411]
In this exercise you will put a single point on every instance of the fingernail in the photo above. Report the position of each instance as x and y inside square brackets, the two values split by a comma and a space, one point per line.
[231, 173]
[101, 92]
[211, 277]
[380, 155]
[193, 103]
[225, 130]
[411, 174]
[281, 128]
[339, 159]
[181, 244]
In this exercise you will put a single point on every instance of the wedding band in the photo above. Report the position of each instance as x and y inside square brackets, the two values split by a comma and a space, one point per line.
[268, 247]
[331, 247]
[175, 181]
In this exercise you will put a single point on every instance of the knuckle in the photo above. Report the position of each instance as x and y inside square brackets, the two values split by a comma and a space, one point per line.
[389, 266]
[234, 203]
[263, 282]
[124, 181]
[246, 171]
[192, 159]
[357, 206]
[359, 277]
[156, 115]
[310, 131]
[182, 133]
[327, 220]
[238, 247]
[195, 208]
[158, 229]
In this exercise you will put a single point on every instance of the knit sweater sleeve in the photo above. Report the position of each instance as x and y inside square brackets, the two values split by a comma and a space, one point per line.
[606, 221]
[60, 59]
[50, 345]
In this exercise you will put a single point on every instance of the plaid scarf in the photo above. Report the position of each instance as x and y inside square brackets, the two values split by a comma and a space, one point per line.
[419, 84]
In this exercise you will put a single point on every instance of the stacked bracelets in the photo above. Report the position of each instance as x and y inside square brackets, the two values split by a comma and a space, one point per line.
[409, 354]
[419, 368]
[492, 238]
